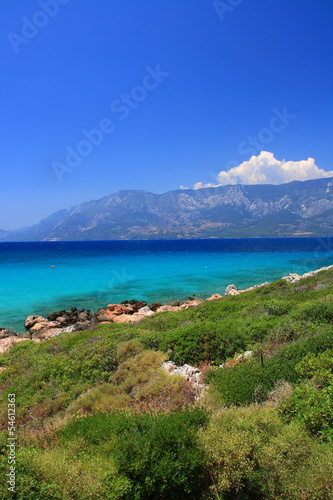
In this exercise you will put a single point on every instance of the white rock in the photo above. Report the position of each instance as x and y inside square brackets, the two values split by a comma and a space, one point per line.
[232, 290]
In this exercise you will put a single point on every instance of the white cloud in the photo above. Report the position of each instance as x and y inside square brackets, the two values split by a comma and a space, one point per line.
[265, 169]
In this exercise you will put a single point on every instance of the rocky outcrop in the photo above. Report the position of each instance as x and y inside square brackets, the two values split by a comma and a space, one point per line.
[7, 342]
[59, 322]
[38, 324]
[216, 296]
[190, 373]
[135, 304]
[142, 313]
[238, 358]
[80, 317]
[4, 333]
[232, 290]
[155, 306]
[112, 311]
[185, 305]
[294, 278]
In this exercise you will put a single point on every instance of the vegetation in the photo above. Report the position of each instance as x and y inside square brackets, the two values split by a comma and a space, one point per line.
[98, 417]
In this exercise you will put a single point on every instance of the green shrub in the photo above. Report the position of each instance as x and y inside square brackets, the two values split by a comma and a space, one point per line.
[320, 312]
[312, 402]
[252, 454]
[159, 455]
[237, 385]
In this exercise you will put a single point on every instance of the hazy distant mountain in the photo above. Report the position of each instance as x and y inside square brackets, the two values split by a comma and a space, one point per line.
[289, 209]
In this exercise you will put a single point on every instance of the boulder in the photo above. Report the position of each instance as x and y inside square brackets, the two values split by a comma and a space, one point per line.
[112, 311]
[54, 315]
[255, 286]
[146, 311]
[167, 308]
[119, 309]
[292, 278]
[54, 332]
[66, 318]
[245, 355]
[190, 303]
[190, 373]
[155, 305]
[135, 304]
[7, 342]
[215, 297]
[133, 318]
[84, 315]
[37, 323]
[4, 333]
[138, 304]
[232, 290]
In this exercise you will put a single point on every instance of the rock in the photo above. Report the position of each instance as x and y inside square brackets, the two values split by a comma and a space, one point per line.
[54, 315]
[7, 342]
[245, 355]
[142, 313]
[85, 325]
[4, 333]
[43, 326]
[255, 286]
[61, 320]
[292, 278]
[190, 303]
[190, 373]
[54, 332]
[184, 305]
[129, 318]
[38, 323]
[146, 311]
[167, 308]
[119, 309]
[32, 320]
[215, 297]
[155, 306]
[112, 311]
[169, 366]
[232, 290]
[58, 322]
[138, 304]
[64, 317]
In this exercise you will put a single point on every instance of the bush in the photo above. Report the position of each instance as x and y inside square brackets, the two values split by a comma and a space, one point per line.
[158, 455]
[237, 385]
[311, 403]
[320, 312]
[252, 454]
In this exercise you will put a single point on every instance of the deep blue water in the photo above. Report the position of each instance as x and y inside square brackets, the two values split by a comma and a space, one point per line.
[93, 274]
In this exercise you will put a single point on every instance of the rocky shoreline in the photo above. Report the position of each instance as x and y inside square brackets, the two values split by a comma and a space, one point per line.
[129, 311]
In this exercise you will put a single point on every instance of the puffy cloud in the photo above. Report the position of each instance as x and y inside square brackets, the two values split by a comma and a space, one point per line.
[265, 169]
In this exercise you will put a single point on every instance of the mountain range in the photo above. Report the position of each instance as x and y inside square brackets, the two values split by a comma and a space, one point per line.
[292, 209]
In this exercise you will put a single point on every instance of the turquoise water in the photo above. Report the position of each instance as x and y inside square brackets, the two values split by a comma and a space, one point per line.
[93, 274]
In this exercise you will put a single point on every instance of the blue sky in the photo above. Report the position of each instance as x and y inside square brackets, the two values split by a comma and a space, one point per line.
[175, 87]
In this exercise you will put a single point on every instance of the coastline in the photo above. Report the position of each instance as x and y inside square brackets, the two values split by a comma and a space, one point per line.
[128, 311]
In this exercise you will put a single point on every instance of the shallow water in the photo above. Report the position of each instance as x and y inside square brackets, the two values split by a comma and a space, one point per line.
[93, 274]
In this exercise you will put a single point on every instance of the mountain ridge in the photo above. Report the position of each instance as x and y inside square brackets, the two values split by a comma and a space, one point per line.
[290, 209]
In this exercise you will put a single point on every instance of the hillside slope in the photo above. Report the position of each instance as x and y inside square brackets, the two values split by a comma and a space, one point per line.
[98, 416]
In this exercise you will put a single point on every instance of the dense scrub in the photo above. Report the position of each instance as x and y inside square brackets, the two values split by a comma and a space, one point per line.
[97, 416]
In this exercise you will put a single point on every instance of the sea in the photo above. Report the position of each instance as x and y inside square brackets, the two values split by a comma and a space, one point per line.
[41, 277]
